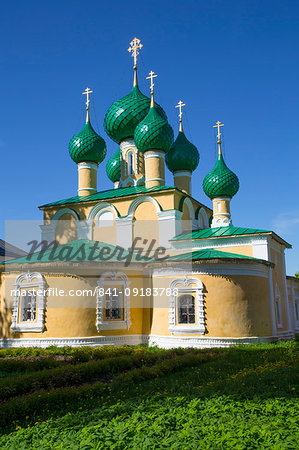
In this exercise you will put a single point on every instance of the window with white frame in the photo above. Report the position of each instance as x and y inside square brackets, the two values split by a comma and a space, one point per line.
[131, 163]
[29, 303]
[278, 312]
[113, 302]
[186, 306]
[296, 304]
[104, 218]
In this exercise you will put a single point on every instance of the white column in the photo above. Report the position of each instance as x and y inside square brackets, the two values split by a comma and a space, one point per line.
[170, 225]
[124, 231]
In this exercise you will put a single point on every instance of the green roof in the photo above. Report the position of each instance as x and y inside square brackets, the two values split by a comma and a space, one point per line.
[209, 253]
[221, 181]
[218, 232]
[87, 145]
[111, 193]
[113, 167]
[124, 115]
[183, 155]
[153, 132]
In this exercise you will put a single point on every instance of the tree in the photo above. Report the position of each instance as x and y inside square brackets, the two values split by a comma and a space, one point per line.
[297, 274]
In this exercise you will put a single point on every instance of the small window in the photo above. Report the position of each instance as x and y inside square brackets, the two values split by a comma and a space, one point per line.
[113, 305]
[186, 309]
[296, 311]
[29, 303]
[130, 163]
[113, 302]
[28, 306]
[218, 206]
[278, 312]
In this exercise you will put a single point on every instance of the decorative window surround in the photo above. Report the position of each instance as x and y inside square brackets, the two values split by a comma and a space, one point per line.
[113, 280]
[26, 281]
[187, 288]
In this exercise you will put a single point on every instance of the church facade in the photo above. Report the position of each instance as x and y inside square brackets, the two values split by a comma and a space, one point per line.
[145, 262]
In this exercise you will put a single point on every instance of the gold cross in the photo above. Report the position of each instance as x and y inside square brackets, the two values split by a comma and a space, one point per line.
[180, 105]
[135, 47]
[87, 92]
[151, 77]
[218, 125]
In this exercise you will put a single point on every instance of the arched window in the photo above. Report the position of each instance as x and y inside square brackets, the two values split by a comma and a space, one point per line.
[29, 303]
[131, 163]
[113, 302]
[186, 306]
[104, 218]
[278, 312]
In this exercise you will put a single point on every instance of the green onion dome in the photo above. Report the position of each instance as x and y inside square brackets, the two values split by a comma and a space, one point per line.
[87, 145]
[153, 132]
[113, 167]
[182, 155]
[221, 181]
[125, 114]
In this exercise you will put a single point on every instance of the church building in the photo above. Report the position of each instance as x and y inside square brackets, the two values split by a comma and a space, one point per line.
[144, 262]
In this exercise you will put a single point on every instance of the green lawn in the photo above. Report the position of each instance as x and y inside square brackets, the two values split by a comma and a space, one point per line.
[139, 398]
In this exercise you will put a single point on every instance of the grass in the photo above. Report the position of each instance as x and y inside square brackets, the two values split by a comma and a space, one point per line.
[242, 398]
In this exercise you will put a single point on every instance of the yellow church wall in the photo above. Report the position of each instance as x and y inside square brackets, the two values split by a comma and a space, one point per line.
[277, 278]
[66, 229]
[235, 306]
[72, 316]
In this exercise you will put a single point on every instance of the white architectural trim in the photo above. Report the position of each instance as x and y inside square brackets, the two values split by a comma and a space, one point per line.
[221, 222]
[63, 211]
[138, 201]
[110, 279]
[205, 220]
[259, 270]
[199, 326]
[170, 225]
[128, 180]
[285, 289]
[277, 300]
[182, 173]
[209, 342]
[272, 302]
[26, 281]
[155, 179]
[100, 206]
[91, 341]
[154, 154]
[87, 165]
[87, 189]
[140, 181]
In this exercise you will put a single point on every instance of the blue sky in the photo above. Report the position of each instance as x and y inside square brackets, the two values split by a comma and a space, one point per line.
[234, 61]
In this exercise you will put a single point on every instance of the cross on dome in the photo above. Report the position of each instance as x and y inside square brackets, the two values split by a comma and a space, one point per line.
[135, 46]
[218, 125]
[87, 92]
[151, 76]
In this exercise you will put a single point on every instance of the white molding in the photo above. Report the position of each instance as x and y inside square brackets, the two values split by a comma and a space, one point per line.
[87, 189]
[170, 225]
[155, 179]
[98, 207]
[138, 201]
[63, 211]
[109, 279]
[277, 299]
[219, 199]
[25, 281]
[285, 289]
[92, 341]
[205, 220]
[182, 173]
[199, 326]
[210, 342]
[218, 222]
[87, 165]
[154, 154]
[232, 268]
[272, 302]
